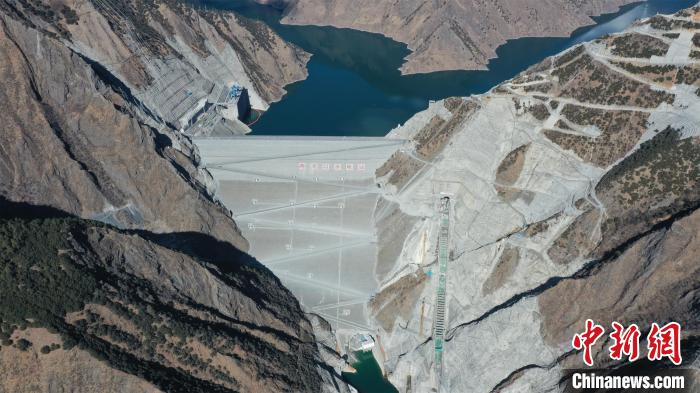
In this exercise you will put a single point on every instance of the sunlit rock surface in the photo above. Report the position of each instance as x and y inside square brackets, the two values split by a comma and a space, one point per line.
[583, 164]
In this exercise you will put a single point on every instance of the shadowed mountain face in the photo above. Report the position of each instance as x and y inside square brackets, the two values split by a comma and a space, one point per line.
[159, 296]
[450, 35]
[177, 313]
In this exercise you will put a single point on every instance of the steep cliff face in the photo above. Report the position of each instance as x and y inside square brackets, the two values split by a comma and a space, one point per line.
[164, 298]
[451, 35]
[172, 56]
[575, 190]
[73, 138]
[91, 308]
[94, 92]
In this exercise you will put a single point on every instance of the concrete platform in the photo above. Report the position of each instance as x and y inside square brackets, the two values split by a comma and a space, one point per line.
[306, 204]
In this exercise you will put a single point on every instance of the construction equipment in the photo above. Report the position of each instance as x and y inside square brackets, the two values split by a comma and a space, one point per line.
[443, 257]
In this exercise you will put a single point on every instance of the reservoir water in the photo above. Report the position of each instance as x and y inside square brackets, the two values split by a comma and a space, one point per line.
[354, 86]
[368, 377]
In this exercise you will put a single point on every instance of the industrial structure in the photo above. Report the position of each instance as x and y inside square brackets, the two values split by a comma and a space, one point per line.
[441, 292]
[221, 113]
[307, 207]
[361, 342]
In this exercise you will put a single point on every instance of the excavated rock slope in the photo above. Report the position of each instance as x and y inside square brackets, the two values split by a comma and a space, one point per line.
[74, 139]
[166, 51]
[451, 35]
[575, 189]
[86, 87]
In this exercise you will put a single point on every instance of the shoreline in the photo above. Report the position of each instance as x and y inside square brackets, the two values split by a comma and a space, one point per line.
[369, 96]
[595, 18]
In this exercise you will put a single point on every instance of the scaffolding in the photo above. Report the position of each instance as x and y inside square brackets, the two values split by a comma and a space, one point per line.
[441, 293]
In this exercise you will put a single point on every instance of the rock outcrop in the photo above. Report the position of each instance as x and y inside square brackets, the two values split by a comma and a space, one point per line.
[74, 138]
[157, 294]
[89, 119]
[87, 307]
[178, 61]
[575, 189]
[451, 35]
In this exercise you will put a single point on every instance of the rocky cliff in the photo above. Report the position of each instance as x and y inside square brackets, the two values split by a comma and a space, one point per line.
[74, 138]
[451, 35]
[160, 295]
[575, 190]
[90, 308]
[87, 99]
[175, 59]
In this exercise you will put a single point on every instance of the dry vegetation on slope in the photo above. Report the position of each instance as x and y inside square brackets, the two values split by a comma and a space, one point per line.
[183, 313]
[451, 35]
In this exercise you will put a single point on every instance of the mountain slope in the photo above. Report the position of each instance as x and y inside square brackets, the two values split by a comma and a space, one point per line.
[575, 189]
[157, 47]
[177, 313]
[451, 35]
[74, 138]
[162, 293]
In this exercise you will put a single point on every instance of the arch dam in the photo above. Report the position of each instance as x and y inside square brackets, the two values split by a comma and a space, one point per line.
[306, 205]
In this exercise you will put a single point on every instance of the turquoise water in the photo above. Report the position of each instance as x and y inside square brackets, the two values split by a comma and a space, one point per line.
[368, 378]
[354, 87]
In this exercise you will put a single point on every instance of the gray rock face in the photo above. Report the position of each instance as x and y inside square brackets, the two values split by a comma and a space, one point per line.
[576, 188]
[177, 60]
[88, 86]
[73, 139]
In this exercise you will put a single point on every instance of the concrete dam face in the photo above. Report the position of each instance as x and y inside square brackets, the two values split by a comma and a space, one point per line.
[306, 205]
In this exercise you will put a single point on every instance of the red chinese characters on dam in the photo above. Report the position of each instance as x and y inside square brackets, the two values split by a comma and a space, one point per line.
[332, 166]
[662, 342]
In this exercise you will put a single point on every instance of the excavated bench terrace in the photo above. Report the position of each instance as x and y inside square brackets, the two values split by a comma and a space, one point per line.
[306, 205]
